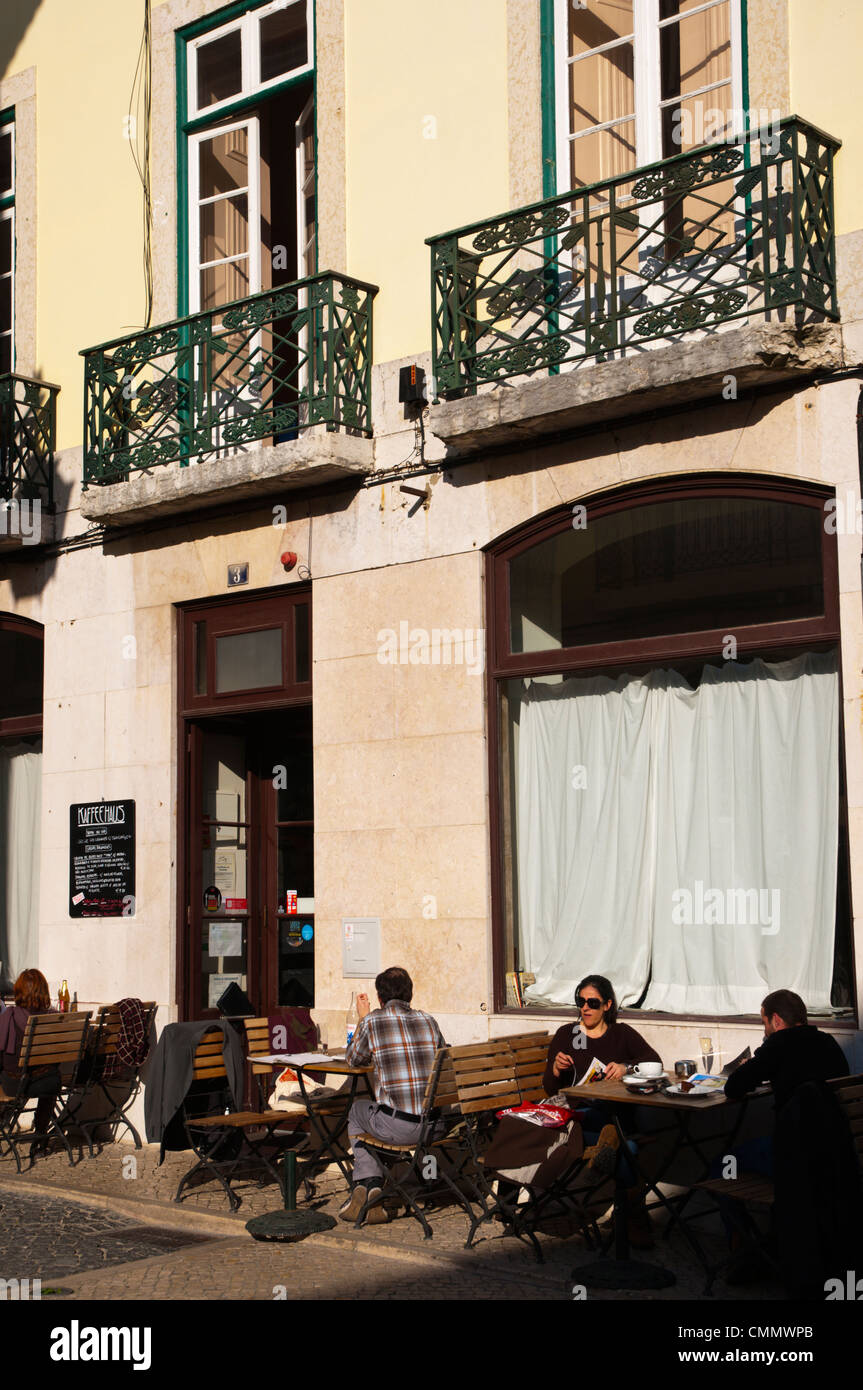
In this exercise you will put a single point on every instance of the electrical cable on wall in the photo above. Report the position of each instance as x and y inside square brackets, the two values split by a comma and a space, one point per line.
[141, 104]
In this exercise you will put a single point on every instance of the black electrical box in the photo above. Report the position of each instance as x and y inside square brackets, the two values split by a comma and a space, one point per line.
[412, 385]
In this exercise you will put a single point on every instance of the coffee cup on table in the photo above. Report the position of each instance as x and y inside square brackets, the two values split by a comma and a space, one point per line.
[651, 1070]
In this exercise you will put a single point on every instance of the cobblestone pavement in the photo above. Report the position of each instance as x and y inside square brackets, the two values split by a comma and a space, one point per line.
[49, 1237]
[131, 1193]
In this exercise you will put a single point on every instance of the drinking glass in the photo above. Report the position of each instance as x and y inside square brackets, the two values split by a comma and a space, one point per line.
[706, 1053]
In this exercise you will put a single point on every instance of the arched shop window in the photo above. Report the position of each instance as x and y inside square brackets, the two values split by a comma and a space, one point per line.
[21, 660]
[667, 792]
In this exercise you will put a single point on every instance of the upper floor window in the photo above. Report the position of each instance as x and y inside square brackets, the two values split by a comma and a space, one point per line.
[249, 55]
[250, 155]
[7, 242]
[641, 80]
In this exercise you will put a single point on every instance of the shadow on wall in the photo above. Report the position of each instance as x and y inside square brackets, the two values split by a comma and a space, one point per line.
[15, 19]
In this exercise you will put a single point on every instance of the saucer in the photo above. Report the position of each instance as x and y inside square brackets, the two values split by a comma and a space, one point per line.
[640, 1082]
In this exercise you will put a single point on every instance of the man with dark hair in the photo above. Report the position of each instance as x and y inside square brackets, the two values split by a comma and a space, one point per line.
[401, 1043]
[793, 1051]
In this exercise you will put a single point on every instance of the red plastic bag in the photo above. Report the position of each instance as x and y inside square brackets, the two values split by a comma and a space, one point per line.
[543, 1114]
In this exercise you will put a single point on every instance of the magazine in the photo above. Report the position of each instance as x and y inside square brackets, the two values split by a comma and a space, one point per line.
[595, 1072]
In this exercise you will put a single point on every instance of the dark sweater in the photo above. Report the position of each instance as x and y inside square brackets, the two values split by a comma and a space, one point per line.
[619, 1043]
[786, 1059]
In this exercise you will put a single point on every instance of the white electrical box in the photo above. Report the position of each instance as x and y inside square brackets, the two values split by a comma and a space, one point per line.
[361, 947]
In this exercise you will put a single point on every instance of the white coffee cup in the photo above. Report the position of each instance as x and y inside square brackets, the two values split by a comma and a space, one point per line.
[648, 1069]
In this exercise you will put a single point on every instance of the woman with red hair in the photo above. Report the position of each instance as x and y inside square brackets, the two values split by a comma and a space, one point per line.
[31, 997]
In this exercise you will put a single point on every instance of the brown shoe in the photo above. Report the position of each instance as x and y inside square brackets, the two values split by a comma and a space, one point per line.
[378, 1215]
[602, 1156]
[350, 1210]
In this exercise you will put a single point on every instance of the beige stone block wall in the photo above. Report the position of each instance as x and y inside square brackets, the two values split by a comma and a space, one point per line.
[400, 783]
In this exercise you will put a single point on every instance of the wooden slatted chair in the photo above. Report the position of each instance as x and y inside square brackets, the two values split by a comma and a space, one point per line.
[50, 1041]
[118, 1091]
[562, 1197]
[223, 1142]
[430, 1167]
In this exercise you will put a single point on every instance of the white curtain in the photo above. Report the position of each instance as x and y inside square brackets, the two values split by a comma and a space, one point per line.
[20, 811]
[682, 841]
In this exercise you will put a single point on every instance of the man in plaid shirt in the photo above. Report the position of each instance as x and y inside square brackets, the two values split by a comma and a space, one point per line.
[401, 1043]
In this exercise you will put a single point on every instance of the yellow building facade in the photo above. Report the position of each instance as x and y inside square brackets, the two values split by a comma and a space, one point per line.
[335, 645]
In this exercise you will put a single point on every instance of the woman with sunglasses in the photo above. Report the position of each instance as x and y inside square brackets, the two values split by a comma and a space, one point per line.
[599, 1035]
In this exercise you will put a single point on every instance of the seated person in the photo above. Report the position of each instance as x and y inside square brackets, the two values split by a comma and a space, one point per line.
[793, 1052]
[598, 1034]
[400, 1042]
[31, 997]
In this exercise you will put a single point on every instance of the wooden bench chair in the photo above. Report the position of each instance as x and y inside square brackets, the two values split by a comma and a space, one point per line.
[222, 1142]
[115, 1093]
[421, 1173]
[562, 1197]
[50, 1041]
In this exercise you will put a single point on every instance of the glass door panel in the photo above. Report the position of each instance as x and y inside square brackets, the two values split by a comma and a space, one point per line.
[225, 830]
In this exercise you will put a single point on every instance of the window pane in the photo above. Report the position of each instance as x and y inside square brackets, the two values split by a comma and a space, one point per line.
[220, 72]
[21, 687]
[5, 245]
[601, 23]
[224, 163]
[696, 52]
[6, 180]
[602, 88]
[5, 353]
[224, 228]
[199, 657]
[284, 45]
[681, 566]
[603, 154]
[249, 660]
[220, 284]
[6, 303]
[301, 641]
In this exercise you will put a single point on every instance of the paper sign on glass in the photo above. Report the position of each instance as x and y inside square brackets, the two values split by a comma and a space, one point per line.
[226, 939]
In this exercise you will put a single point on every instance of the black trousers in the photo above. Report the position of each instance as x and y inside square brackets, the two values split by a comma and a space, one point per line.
[46, 1088]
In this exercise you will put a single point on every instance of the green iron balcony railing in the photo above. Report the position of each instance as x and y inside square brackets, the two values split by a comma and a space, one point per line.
[28, 438]
[208, 386]
[724, 232]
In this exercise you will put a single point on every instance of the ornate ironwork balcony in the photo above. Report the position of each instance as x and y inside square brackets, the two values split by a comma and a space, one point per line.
[724, 232]
[210, 385]
[28, 434]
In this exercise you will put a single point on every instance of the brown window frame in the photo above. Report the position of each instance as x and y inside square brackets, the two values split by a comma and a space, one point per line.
[232, 615]
[762, 639]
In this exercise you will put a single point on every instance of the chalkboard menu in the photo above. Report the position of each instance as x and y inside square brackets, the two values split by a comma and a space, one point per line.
[102, 859]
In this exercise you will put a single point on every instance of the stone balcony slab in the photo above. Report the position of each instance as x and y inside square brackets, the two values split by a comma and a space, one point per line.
[526, 410]
[317, 456]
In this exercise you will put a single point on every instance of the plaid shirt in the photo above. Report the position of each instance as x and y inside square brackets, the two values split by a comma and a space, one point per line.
[401, 1042]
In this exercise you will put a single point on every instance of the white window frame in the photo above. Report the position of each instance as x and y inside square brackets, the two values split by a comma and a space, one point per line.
[248, 26]
[647, 80]
[251, 125]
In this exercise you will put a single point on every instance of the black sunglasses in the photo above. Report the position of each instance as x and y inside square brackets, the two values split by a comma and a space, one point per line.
[587, 1003]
